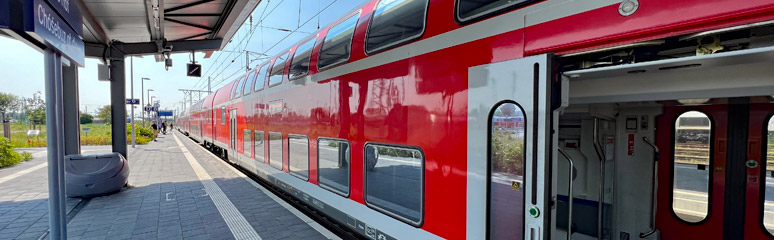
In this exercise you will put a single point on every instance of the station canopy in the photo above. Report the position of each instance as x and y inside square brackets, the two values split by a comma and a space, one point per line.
[141, 27]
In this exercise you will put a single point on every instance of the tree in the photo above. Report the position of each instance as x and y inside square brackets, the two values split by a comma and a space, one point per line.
[105, 114]
[7, 103]
[86, 118]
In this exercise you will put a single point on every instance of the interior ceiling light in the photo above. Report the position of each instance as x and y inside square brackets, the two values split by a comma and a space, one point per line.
[694, 101]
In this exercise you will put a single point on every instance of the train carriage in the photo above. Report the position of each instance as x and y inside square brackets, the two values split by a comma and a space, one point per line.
[553, 119]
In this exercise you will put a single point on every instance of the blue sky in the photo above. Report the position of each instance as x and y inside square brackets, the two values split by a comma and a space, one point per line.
[22, 66]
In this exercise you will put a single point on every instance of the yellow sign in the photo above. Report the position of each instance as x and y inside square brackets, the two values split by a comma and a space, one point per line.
[516, 185]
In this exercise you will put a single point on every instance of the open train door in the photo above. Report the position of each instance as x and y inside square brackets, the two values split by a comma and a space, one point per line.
[510, 117]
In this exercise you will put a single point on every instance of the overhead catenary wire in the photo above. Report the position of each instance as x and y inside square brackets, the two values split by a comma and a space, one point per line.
[220, 75]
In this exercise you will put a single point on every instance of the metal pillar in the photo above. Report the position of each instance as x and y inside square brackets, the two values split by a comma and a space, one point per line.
[55, 144]
[118, 105]
[72, 115]
[131, 73]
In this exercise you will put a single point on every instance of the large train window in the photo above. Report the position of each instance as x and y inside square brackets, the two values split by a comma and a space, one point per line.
[768, 201]
[333, 165]
[250, 82]
[261, 79]
[275, 150]
[276, 71]
[506, 172]
[298, 156]
[691, 166]
[394, 179]
[395, 22]
[299, 66]
[337, 45]
[247, 142]
[258, 146]
[468, 10]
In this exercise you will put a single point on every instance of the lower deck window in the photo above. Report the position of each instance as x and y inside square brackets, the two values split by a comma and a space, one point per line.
[333, 165]
[275, 150]
[298, 156]
[394, 181]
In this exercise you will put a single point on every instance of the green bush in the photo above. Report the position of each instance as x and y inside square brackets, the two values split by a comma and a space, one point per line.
[26, 156]
[507, 152]
[7, 156]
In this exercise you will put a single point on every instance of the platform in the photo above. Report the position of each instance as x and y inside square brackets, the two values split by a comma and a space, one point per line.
[177, 190]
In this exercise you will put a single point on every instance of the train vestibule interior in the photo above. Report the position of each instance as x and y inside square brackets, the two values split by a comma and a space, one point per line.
[664, 147]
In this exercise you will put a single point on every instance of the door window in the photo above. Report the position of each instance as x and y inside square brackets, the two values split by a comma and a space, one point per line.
[691, 166]
[246, 142]
[768, 202]
[506, 172]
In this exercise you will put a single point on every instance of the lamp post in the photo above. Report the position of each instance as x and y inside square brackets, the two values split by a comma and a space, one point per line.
[149, 90]
[151, 103]
[142, 89]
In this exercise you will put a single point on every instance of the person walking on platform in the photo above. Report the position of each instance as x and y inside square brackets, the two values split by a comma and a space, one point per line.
[155, 131]
[164, 127]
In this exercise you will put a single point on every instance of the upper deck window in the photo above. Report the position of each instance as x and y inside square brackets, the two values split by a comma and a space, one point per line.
[468, 10]
[299, 67]
[261, 79]
[242, 86]
[337, 45]
[276, 71]
[395, 22]
[233, 88]
[249, 86]
[235, 91]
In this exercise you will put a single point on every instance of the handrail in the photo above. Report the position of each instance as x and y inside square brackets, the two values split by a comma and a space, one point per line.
[653, 188]
[569, 192]
[602, 159]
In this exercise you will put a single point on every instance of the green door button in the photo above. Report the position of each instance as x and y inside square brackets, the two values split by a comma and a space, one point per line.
[534, 211]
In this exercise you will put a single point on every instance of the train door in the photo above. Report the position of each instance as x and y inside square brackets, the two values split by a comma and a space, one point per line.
[693, 144]
[759, 203]
[510, 117]
[717, 181]
[233, 133]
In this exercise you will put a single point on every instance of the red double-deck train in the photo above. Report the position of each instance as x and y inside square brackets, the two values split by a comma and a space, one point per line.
[523, 119]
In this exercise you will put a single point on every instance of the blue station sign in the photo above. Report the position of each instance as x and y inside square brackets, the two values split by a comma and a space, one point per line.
[57, 33]
[57, 24]
[70, 13]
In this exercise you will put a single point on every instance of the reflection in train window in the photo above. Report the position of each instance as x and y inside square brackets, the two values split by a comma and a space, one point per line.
[258, 146]
[768, 203]
[261, 79]
[337, 45]
[394, 181]
[276, 71]
[506, 174]
[299, 66]
[298, 156]
[475, 9]
[395, 22]
[246, 142]
[275, 150]
[333, 165]
[691, 155]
